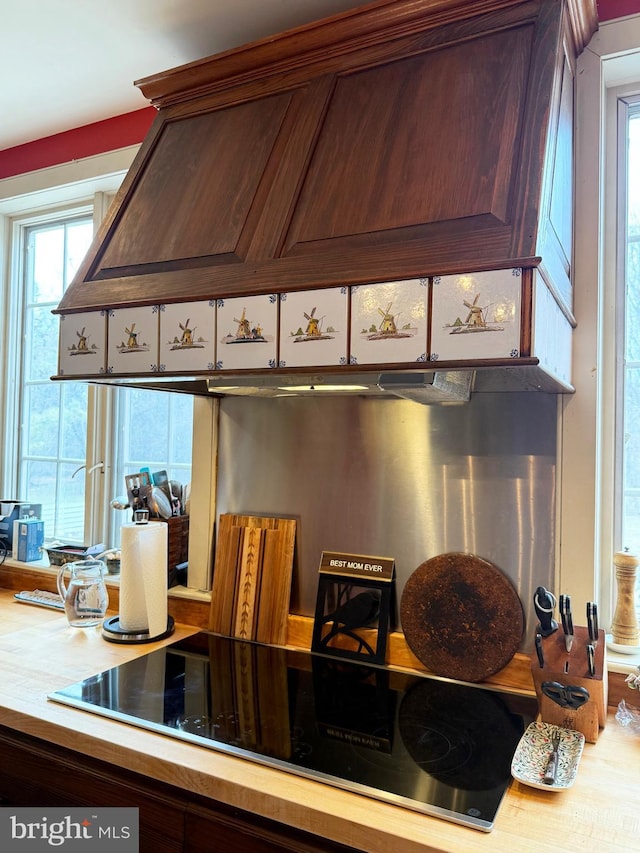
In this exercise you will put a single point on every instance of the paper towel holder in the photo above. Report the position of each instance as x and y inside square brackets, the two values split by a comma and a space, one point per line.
[114, 633]
[112, 629]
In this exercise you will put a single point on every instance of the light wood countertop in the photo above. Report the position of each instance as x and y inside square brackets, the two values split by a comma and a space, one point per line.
[39, 653]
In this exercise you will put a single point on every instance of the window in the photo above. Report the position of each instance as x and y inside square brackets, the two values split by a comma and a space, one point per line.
[629, 343]
[53, 416]
[155, 432]
[73, 443]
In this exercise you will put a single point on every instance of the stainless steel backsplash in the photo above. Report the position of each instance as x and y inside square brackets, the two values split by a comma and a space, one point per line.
[393, 478]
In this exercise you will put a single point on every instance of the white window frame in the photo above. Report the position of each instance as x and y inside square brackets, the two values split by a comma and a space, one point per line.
[99, 399]
[609, 67]
[20, 227]
[624, 103]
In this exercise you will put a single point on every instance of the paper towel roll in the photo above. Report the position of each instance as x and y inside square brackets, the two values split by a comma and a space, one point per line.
[143, 578]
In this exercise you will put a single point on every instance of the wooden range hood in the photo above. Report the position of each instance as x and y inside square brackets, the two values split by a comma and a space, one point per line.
[402, 139]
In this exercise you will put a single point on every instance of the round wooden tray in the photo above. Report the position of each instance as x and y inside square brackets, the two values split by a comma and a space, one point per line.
[461, 616]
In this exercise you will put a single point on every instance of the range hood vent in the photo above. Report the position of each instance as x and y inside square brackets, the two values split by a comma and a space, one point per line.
[440, 387]
[352, 151]
[421, 387]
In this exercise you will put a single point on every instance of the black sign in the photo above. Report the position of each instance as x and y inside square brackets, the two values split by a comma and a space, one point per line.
[353, 606]
[357, 566]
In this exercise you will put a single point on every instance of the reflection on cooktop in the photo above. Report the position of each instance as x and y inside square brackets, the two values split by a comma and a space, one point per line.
[428, 744]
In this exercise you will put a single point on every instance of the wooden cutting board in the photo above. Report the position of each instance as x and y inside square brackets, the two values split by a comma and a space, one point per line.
[461, 616]
[252, 577]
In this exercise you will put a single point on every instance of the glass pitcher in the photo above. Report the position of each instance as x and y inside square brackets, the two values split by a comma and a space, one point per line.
[85, 598]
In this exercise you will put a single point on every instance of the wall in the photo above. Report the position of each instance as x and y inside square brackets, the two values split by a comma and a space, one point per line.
[77, 143]
[608, 10]
[393, 478]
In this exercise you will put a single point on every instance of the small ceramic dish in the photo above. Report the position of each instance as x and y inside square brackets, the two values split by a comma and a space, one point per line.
[533, 751]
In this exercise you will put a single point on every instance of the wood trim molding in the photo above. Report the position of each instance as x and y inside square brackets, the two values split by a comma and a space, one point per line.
[364, 26]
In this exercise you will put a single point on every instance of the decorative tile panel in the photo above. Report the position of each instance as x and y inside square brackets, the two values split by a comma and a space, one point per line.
[476, 316]
[313, 327]
[132, 341]
[187, 336]
[83, 343]
[389, 322]
[247, 331]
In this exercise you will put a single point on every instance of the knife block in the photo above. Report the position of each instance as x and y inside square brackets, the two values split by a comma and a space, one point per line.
[177, 541]
[570, 668]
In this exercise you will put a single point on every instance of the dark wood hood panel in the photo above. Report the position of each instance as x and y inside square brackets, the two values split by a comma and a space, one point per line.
[405, 139]
[195, 194]
[405, 144]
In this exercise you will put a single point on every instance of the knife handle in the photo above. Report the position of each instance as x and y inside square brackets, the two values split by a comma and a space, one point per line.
[544, 603]
[551, 769]
[592, 621]
[564, 605]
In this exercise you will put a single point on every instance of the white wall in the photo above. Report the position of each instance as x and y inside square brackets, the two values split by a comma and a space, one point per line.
[586, 532]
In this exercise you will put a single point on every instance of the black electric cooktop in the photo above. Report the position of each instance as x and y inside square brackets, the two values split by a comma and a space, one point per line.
[424, 743]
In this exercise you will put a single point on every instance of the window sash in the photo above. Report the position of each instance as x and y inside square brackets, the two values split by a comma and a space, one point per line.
[627, 464]
[52, 418]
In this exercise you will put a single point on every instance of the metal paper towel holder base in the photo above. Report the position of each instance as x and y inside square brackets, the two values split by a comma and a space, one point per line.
[114, 633]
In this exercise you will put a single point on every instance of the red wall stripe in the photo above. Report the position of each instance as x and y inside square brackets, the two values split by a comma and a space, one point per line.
[610, 9]
[86, 141]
